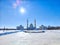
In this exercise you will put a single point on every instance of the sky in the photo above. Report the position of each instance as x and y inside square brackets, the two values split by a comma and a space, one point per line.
[46, 12]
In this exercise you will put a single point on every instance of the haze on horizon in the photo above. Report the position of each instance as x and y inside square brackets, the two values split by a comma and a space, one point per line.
[46, 12]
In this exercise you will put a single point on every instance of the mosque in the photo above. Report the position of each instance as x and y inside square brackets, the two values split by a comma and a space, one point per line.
[31, 26]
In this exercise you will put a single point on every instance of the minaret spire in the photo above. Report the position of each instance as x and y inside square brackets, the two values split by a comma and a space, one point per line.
[35, 23]
[27, 23]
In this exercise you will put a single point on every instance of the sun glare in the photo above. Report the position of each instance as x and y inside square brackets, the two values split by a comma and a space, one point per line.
[22, 10]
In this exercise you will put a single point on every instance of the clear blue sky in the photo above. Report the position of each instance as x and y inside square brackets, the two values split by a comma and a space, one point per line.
[46, 12]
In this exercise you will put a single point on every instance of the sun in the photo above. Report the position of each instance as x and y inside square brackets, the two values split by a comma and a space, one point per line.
[22, 10]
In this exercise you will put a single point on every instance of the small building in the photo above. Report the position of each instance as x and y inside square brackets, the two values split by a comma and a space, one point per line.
[20, 27]
[42, 27]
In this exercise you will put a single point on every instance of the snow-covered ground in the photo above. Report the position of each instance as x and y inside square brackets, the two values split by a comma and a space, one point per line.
[4, 31]
[21, 38]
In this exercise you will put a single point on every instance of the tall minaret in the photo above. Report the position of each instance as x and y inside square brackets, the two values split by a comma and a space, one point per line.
[27, 23]
[35, 23]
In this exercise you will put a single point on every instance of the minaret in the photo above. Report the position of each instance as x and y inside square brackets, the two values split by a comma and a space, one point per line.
[35, 23]
[27, 24]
